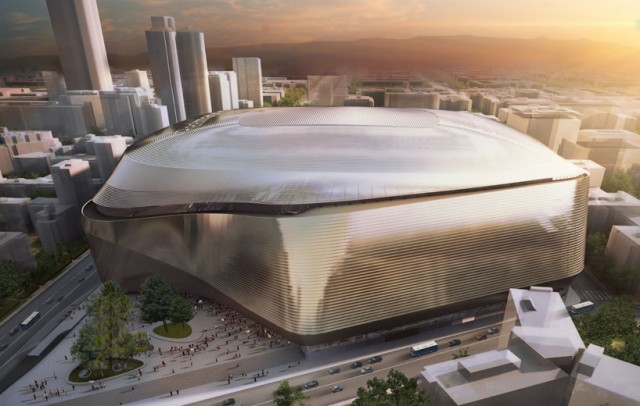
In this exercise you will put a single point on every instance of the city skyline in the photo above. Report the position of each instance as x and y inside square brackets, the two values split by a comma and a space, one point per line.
[26, 30]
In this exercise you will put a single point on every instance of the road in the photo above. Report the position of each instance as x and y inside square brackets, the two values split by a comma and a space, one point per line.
[63, 294]
[351, 379]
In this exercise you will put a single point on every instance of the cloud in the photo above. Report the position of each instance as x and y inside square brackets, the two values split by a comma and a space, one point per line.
[19, 18]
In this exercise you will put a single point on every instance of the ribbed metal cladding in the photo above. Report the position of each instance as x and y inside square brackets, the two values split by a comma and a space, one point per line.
[311, 156]
[334, 268]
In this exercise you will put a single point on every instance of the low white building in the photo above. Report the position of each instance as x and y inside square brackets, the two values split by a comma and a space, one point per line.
[543, 362]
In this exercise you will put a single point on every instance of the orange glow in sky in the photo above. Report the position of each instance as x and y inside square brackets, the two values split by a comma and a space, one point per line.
[24, 26]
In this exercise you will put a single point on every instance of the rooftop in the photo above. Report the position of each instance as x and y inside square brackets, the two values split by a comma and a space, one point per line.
[301, 157]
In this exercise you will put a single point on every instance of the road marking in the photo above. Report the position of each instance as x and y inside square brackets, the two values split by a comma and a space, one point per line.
[396, 366]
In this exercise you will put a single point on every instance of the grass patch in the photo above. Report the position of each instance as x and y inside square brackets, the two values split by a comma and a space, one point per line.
[617, 344]
[129, 365]
[173, 330]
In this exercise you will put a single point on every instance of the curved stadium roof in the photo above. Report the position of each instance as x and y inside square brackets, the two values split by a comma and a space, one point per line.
[286, 160]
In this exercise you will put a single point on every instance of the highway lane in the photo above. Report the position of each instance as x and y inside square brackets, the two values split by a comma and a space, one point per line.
[351, 379]
[53, 302]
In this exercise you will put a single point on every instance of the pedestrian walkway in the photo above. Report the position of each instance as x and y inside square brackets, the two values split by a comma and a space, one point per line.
[224, 347]
[594, 295]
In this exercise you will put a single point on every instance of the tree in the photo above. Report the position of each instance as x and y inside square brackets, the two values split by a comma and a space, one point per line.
[180, 310]
[295, 96]
[623, 279]
[136, 344]
[461, 353]
[156, 296]
[284, 395]
[105, 337]
[596, 244]
[45, 262]
[619, 180]
[615, 320]
[62, 254]
[396, 390]
[13, 280]
[99, 131]
[85, 348]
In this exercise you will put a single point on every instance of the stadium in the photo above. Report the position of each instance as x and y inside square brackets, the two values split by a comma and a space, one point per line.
[325, 223]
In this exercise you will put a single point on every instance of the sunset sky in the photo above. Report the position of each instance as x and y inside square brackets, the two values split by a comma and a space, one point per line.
[25, 27]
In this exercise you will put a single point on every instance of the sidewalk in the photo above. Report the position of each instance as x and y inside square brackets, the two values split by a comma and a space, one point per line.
[234, 349]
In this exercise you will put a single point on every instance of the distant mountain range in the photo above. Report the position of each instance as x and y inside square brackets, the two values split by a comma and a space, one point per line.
[582, 58]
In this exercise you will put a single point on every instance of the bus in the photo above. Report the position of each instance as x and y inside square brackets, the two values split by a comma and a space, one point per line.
[28, 322]
[581, 307]
[424, 348]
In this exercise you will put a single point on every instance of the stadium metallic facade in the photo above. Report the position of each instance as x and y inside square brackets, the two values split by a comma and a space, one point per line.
[324, 223]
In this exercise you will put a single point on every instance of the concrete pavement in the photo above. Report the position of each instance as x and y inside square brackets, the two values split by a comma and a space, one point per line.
[234, 349]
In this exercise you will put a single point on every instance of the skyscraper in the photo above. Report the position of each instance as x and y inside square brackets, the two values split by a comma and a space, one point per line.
[78, 33]
[55, 84]
[223, 86]
[249, 74]
[165, 69]
[194, 72]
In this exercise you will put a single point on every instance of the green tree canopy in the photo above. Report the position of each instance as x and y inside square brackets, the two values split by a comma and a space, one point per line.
[621, 279]
[619, 180]
[156, 297]
[614, 320]
[596, 244]
[62, 254]
[13, 280]
[461, 353]
[285, 395]
[295, 96]
[85, 349]
[180, 311]
[105, 336]
[396, 390]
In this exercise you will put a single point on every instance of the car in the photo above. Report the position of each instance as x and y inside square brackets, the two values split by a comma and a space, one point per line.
[356, 364]
[334, 370]
[229, 402]
[366, 370]
[88, 268]
[336, 389]
[375, 359]
[311, 384]
[13, 331]
[60, 297]
[3, 347]
[50, 300]
[493, 330]
[81, 280]
[480, 337]
[454, 342]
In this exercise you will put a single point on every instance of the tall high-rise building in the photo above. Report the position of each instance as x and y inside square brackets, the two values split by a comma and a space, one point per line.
[223, 86]
[194, 72]
[149, 118]
[165, 69]
[249, 74]
[233, 88]
[118, 106]
[55, 84]
[78, 33]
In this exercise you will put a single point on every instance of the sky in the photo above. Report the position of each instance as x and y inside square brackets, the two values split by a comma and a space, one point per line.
[25, 27]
